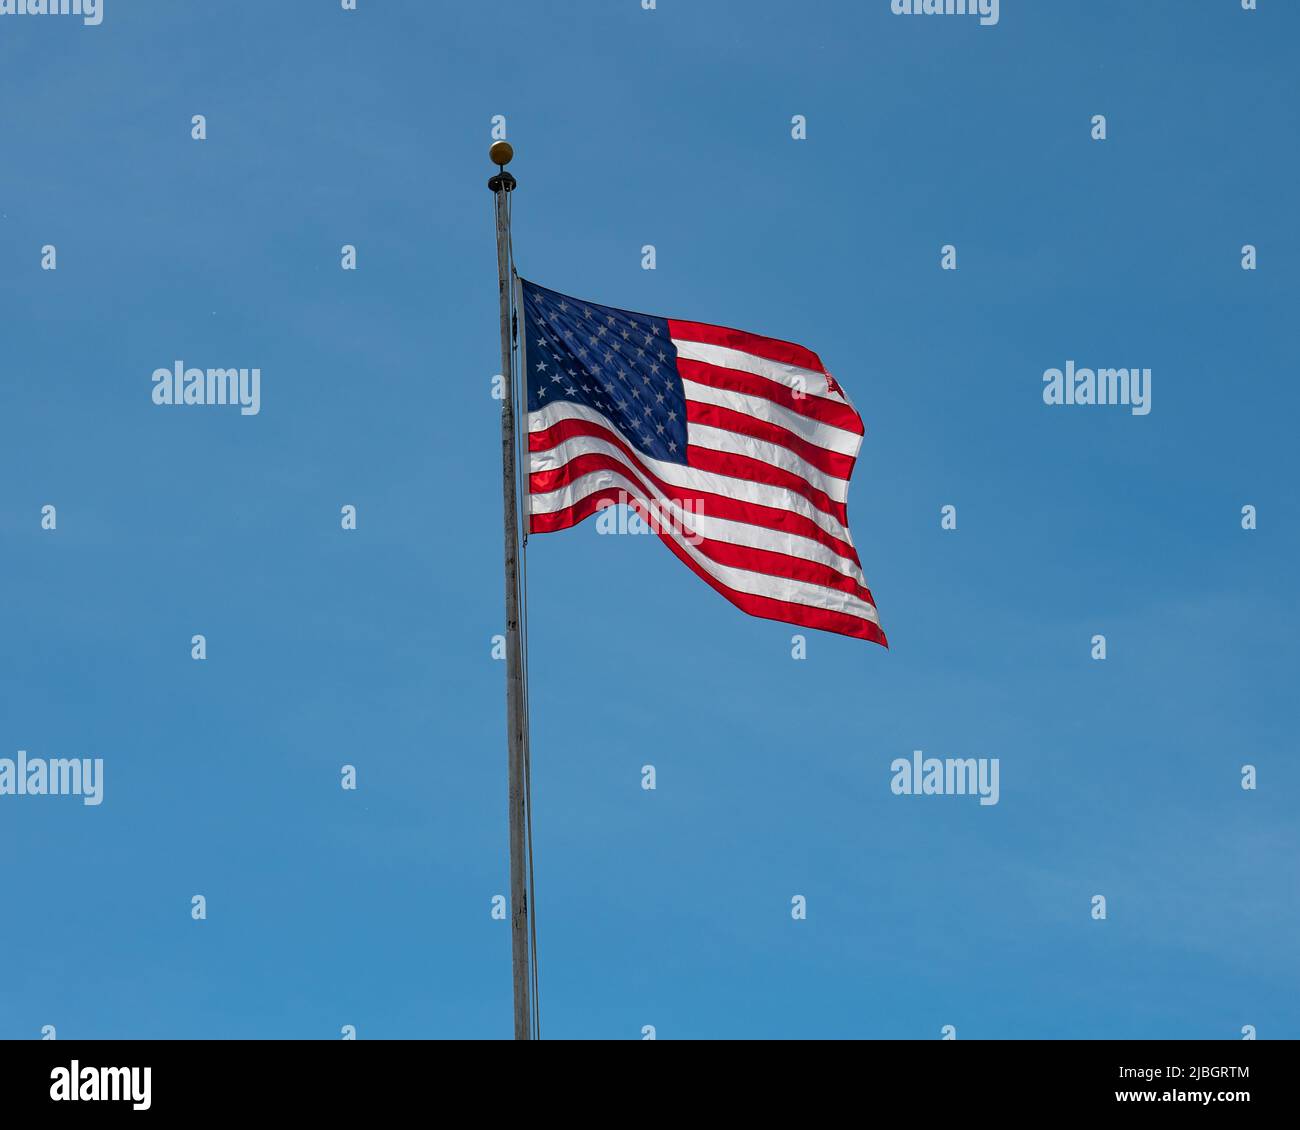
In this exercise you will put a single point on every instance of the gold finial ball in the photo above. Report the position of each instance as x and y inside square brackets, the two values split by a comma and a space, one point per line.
[501, 153]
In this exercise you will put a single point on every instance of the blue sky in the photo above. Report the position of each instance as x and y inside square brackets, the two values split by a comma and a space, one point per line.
[668, 908]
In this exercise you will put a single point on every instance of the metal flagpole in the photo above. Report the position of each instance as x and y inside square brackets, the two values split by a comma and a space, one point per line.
[501, 185]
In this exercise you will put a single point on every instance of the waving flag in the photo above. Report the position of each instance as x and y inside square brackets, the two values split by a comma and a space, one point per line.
[737, 450]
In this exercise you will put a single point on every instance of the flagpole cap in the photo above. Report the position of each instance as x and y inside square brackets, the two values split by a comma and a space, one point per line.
[501, 153]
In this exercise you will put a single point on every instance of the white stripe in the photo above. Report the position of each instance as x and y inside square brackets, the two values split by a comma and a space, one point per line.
[816, 432]
[675, 474]
[773, 454]
[741, 580]
[807, 381]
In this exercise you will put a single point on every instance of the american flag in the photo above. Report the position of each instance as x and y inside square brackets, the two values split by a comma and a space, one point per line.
[737, 449]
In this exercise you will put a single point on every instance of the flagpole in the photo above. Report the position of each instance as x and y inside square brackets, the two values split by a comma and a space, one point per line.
[501, 185]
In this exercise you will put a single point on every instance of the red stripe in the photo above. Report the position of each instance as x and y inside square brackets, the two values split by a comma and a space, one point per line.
[785, 352]
[702, 502]
[730, 420]
[819, 408]
[764, 607]
[701, 458]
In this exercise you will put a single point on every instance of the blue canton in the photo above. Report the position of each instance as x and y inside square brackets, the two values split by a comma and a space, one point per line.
[619, 363]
